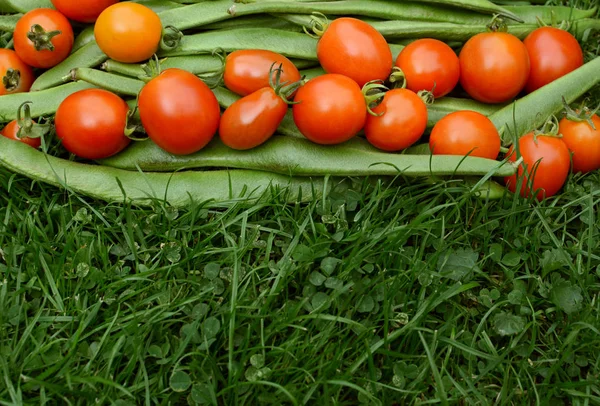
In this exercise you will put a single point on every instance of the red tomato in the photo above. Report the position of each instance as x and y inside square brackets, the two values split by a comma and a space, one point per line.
[545, 167]
[252, 120]
[353, 48]
[494, 67]
[91, 123]
[11, 130]
[84, 11]
[402, 123]
[16, 76]
[426, 62]
[553, 53]
[179, 112]
[330, 109]
[246, 71]
[465, 132]
[583, 141]
[43, 52]
[128, 32]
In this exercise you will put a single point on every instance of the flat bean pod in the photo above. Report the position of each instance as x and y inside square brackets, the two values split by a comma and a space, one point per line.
[159, 6]
[23, 6]
[483, 6]
[446, 105]
[108, 81]
[254, 21]
[301, 157]
[532, 111]
[44, 102]
[9, 21]
[221, 187]
[83, 38]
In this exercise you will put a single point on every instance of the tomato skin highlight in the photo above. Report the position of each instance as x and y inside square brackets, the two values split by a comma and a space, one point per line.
[402, 123]
[583, 141]
[10, 60]
[83, 11]
[330, 109]
[550, 173]
[179, 111]
[91, 123]
[494, 67]
[247, 71]
[465, 132]
[426, 62]
[49, 20]
[355, 49]
[128, 32]
[10, 131]
[252, 120]
[553, 53]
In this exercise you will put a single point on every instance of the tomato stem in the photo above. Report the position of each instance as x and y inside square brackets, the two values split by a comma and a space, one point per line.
[285, 89]
[549, 129]
[170, 38]
[497, 24]
[12, 79]
[27, 127]
[397, 78]
[41, 39]
[373, 92]
[318, 25]
[427, 96]
[582, 114]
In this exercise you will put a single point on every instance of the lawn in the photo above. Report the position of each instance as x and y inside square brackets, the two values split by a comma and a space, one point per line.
[399, 291]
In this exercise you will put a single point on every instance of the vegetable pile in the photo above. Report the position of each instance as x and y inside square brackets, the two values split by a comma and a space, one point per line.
[218, 100]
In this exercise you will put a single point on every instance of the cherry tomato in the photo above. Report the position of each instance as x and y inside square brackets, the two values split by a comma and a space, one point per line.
[179, 111]
[553, 53]
[545, 167]
[11, 130]
[252, 120]
[246, 71]
[465, 132]
[16, 76]
[84, 11]
[330, 109]
[91, 123]
[53, 38]
[354, 48]
[583, 141]
[494, 67]
[402, 123]
[128, 32]
[426, 62]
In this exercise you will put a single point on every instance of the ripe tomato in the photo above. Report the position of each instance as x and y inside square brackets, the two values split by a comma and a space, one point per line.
[128, 32]
[246, 71]
[354, 48]
[426, 62]
[330, 109]
[252, 120]
[583, 141]
[465, 132]
[84, 11]
[179, 111]
[16, 76]
[494, 67]
[11, 130]
[553, 53]
[52, 38]
[91, 123]
[402, 123]
[545, 167]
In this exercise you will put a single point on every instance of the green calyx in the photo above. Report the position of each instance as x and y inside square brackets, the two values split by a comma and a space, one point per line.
[497, 24]
[283, 89]
[27, 127]
[42, 40]
[374, 92]
[549, 129]
[171, 37]
[318, 25]
[583, 113]
[11, 80]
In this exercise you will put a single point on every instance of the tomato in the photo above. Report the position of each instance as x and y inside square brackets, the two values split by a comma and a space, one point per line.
[330, 109]
[53, 38]
[16, 76]
[11, 130]
[545, 167]
[465, 132]
[553, 53]
[402, 123]
[252, 120]
[91, 123]
[583, 141]
[426, 62]
[179, 111]
[354, 48]
[128, 32]
[246, 71]
[83, 11]
[494, 67]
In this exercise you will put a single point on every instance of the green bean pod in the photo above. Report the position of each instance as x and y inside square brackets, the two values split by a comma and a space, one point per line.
[221, 187]
[108, 81]
[446, 105]
[158, 6]
[532, 111]
[482, 6]
[301, 157]
[9, 21]
[44, 102]
[23, 6]
[85, 37]
[254, 21]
